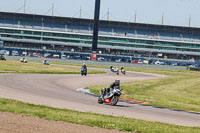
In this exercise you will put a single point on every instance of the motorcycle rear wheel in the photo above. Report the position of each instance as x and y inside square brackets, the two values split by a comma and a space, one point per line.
[114, 100]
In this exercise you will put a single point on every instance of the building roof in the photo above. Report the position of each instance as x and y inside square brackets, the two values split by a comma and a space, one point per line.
[103, 23]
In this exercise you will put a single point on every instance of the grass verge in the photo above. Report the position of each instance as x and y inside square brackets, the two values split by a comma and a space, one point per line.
[92, 119]
[181, 90]
[13, 66]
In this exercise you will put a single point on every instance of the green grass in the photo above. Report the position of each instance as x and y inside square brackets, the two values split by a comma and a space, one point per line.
[92, 119]
[88, 65]
[181, 90]
[13, 66]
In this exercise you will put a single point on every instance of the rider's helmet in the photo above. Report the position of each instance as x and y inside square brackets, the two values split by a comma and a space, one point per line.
[117, 82]
[83, 64]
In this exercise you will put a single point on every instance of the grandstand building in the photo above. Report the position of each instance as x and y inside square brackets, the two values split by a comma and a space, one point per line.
[66, 34]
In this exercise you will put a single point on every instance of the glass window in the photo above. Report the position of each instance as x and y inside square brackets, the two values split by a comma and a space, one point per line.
[17, 31]
[66, 35]
[47, 34]
[28, 32]
[36, 33]
[57, 34]
[2, 30]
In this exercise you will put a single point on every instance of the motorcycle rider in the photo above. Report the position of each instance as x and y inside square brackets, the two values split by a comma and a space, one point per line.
[22, 59]
[105, 91]
[84, 67]
[115, 84]
[111, 67]
[46, 62]
[122, 68]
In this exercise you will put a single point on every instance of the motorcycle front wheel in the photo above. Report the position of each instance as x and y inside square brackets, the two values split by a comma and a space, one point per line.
[100, 101]
[114, 100]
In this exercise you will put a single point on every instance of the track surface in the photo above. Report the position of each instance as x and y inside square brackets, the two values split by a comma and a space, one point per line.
[60, 91]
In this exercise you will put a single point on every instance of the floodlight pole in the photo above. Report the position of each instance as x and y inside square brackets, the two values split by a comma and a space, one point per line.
[95, 29]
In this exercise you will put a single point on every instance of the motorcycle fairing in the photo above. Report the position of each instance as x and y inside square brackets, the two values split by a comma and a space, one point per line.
[107, 100]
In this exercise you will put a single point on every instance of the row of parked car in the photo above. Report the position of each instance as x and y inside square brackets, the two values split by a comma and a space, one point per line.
[110, 58]
[154, 61]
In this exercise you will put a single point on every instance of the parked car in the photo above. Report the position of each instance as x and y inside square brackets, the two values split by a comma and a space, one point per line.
[159, 63]
[100, 59]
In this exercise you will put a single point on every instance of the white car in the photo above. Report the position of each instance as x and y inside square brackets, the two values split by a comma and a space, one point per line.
[159, 63]
[100, 59]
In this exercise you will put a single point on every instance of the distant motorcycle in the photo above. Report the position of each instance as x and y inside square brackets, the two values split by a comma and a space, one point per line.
[114, 69]
[46, 62]
[23, 60]
[112, 97]
[83, 71]
[2, 58]
[123, 71]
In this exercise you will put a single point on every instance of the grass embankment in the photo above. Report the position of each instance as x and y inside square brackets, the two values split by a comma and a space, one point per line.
[179, 91]
[91, 119]
[13, 66]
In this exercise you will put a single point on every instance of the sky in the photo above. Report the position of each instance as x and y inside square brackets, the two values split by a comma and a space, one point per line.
[174, 12]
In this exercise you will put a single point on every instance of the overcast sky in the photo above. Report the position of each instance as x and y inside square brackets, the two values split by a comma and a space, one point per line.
[175, 12]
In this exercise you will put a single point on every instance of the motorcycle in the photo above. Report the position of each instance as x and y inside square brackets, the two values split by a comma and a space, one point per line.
[115, 70]
[111, 97]
[123, 71]
[83, 72]
[2, 58]
[23, 60]
[46, 62]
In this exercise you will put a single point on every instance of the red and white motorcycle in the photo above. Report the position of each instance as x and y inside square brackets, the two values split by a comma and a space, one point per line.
[111, 98]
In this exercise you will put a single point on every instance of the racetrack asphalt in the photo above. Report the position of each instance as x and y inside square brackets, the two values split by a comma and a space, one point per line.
[60, 91]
